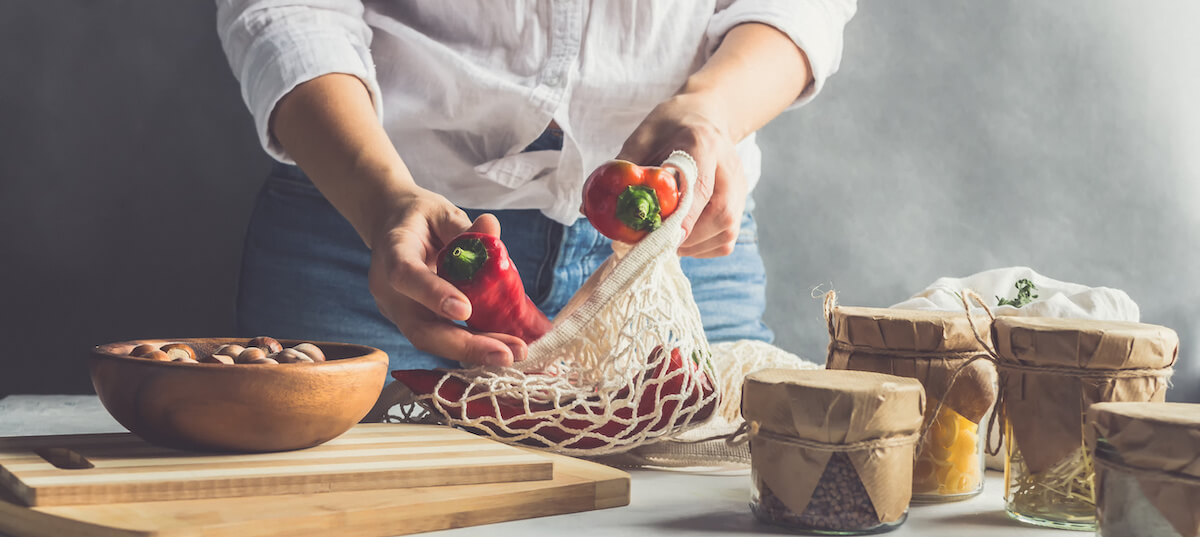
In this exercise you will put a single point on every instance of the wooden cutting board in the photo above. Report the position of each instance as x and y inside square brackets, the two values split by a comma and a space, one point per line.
[576, 486]
[112, 468]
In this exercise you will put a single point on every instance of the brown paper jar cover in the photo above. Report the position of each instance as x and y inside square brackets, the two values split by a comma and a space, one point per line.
[1045, 409]
[1155, 439]
[925, 345]
[834, 407]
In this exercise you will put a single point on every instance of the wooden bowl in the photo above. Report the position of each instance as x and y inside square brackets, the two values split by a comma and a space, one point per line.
[239, 407]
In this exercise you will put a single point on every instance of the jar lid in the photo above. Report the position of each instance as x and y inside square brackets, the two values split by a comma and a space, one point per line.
[833, 406]
[1154, 436]
[1084, 343]
[893, 329]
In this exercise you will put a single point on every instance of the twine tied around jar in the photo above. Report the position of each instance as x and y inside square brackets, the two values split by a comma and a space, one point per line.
[992, 356]
[987, 353]
[967, 357]
[751, 429]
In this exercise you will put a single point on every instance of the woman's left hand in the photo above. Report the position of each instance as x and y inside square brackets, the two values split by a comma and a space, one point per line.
[687, 122]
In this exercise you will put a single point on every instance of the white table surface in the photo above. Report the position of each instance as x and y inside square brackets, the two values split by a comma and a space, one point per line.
[663, 502]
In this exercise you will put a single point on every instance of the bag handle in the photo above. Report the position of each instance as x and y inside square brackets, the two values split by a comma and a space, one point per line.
[629, 265]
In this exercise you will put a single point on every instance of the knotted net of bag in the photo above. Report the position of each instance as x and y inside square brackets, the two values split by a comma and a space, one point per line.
[626, 363]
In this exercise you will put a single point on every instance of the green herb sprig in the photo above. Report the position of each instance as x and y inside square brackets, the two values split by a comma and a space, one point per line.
[1025, 294]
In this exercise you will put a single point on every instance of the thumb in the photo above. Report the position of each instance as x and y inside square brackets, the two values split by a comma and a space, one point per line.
[486, 224]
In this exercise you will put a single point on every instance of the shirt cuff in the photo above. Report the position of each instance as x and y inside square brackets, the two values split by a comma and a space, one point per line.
[814, 25]
[279, 60]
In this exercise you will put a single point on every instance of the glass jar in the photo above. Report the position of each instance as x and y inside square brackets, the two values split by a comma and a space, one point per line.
[831, 451]
[1051, 371]
[950, 464]
[1060, 497]
[1147, 459]
[1122, 507]
[840, 504]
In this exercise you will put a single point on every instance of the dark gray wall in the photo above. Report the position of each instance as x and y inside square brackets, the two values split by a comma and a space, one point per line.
[127, 170]
[958, 137]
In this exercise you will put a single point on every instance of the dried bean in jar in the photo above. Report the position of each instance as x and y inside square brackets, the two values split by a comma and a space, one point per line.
[839, 503]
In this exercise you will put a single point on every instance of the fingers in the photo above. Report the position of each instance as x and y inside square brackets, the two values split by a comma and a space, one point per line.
[449, 225]
[716, 227]
[486, 224]
[704, 186]
[430, 333]
[404, 269]
[408, 262]
[410, 294]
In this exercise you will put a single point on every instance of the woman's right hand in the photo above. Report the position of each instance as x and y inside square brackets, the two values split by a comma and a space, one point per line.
[328, 124]
[408, 291]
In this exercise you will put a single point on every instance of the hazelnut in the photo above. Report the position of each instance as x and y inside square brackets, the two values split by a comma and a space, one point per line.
[158, 356]
[263, 360]
[291, 356]
[217, 359]
[250, 354]
[231, 351]
[265, 343]
[142, 350]
[178, 351]
[312, 351]
[185, 359]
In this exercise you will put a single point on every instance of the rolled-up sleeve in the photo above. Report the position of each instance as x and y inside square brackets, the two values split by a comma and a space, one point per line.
[814, 25]
[273, 46]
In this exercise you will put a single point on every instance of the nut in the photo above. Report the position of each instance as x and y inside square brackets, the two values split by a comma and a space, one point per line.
[231, 351]
[290, 356]
[184, 359]
[265, 343]
[263, 360]
[158, 356]
[217, 359]
[179, 351]
[141, 351]
[250, 354]
[312, 351]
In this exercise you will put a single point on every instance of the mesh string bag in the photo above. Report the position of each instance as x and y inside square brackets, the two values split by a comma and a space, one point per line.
[627, 362]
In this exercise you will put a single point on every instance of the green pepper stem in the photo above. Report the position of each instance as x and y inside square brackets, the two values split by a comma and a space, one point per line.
[467, 257]
[637, 207]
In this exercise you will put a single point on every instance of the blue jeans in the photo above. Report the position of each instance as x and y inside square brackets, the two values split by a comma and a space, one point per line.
[304, 273]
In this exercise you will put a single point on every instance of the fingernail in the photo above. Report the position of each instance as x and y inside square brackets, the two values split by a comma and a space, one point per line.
[496, 358]
[456, 308]
[518, 352]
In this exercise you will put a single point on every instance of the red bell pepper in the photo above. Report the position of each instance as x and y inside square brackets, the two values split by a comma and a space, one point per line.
[624, 201]
[662, 398]
[479, 266]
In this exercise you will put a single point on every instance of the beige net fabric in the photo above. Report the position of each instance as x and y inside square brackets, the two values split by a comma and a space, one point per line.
[626, 363]
[705, 446]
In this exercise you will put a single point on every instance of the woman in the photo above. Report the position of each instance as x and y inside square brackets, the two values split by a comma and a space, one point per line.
[413, 121]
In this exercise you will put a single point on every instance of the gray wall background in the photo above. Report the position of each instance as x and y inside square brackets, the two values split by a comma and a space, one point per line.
[957, 137]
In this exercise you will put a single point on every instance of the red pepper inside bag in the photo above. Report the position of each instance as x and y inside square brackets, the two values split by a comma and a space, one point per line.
[671, 383]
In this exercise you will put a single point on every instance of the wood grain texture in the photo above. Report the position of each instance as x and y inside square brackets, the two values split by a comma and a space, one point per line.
[239, 407]
[576, 486]
[125, 468]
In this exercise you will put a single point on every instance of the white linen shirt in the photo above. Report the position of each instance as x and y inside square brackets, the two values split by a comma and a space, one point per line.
[463, 86]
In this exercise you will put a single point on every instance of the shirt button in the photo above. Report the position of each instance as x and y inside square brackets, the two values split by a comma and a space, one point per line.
[552, 80]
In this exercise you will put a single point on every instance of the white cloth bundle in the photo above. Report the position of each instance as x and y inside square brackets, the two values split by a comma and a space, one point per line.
[1055, 298]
